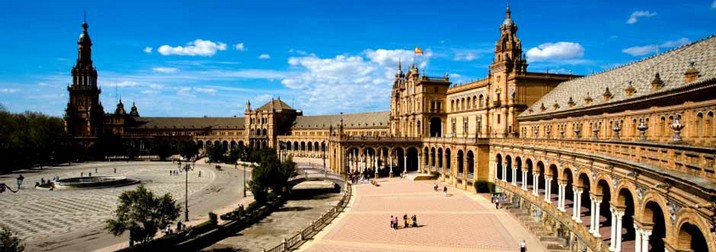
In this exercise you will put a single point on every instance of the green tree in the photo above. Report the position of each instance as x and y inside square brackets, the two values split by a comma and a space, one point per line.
[162, 150]
[188, 149]
[9, 242]
[143, 214]
[270, 174]
[215, 153]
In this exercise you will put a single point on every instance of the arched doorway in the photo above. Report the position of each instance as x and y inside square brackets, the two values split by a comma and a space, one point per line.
[653, 216]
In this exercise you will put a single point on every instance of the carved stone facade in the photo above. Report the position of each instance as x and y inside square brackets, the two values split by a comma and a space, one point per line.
[622, 159]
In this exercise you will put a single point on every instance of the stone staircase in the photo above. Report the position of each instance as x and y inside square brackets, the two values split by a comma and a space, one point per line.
[548, 238]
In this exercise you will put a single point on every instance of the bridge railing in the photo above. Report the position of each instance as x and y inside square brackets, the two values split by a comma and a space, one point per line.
[302, 236]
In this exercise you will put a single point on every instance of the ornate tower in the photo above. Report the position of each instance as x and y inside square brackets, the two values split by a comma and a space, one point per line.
[84, 113]
[508, 49]
[508, 63]
[395, 101]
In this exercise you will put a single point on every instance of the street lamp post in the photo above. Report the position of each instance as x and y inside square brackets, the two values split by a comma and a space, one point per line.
[4, 186]
[325, 171]
[187, 167]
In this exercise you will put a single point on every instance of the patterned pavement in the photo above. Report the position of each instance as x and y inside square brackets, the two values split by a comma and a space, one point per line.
[460, 221]
[36, 214]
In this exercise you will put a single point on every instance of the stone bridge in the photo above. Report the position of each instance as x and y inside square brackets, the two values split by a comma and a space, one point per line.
[307, 173]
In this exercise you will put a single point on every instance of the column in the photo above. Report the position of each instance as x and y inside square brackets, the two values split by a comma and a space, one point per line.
[597, 206]
[560, 195]
[576, 209]
[390, 163]
[591, 214]
[405, 162]
[618, 239]
[514, 175]
[645, 240]
[504, 173]
[547, 187]
[613, 230]
[637, 239]
[375, 161]
[535, 184]
[420, 165]
[524, 180]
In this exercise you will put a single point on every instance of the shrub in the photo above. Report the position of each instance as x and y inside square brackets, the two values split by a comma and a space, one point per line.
[483, 186]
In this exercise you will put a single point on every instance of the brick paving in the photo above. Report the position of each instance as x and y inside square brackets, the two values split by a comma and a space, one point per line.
[462, 221]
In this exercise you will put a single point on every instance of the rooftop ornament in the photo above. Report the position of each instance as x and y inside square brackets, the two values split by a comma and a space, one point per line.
[657, 83]
[642, 130]
[570, 103]
[677, 126]
[587, 99]
[629, 90]
[607, 94]
[616, 130]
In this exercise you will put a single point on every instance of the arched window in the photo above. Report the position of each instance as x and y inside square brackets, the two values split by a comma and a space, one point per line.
[708, 122]
[699, 125]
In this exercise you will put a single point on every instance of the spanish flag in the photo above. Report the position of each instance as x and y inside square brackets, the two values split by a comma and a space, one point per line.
[418, 51]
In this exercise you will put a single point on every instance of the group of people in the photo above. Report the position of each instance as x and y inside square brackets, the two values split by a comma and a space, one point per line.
[407, 222]
[496, 199]
[435, 187]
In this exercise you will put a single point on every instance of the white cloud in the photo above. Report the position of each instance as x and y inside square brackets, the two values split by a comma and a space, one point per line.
[675, 43]
[555, 52]
[637, 14]
[122, 84]
[347, 82]
[649, 49]
[8, 90]
[465, 56]
[264, 56]
[165, 69]
[240, 47]
[148, 49]
[198, 47]
[713, 5]
[211, 91]
[296, 51]
[640, 50]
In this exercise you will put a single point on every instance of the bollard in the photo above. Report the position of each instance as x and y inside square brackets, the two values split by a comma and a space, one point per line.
[283, 245]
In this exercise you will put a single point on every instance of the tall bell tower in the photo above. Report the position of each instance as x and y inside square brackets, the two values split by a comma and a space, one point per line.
[507, 64]
[84, 113]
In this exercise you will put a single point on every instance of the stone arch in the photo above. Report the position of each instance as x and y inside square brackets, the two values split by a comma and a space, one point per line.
[303, 146]
[690, 234]
[530, 170]
[200, 144]
[225, 145]
[653, 215]
[295, 146]
[603, 183]
[625, 199]
[518, 163]
[289, 145]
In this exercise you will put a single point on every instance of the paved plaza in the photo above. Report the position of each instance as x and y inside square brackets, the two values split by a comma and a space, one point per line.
[72, 220]
[460, 221]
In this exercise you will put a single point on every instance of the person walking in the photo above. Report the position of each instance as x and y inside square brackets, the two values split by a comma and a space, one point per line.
[445, 190]
[497, 204]
[405, 220]
[523, 246]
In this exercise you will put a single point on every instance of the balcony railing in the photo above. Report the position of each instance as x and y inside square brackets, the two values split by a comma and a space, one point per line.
[694, 160]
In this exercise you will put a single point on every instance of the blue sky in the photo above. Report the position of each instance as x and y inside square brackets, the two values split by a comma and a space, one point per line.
[196, 58]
